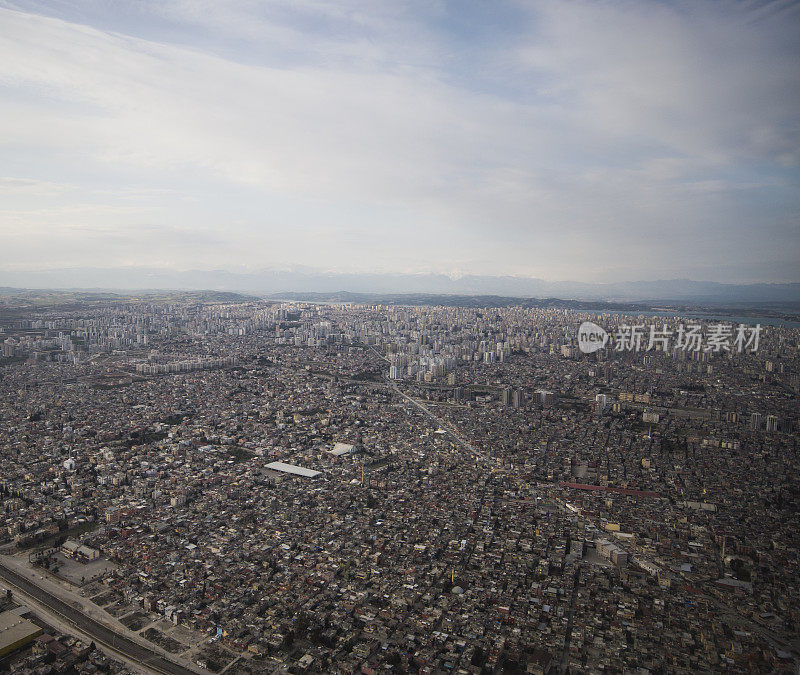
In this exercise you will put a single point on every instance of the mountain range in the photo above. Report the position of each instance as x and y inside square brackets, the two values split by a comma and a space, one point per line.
[306, 281]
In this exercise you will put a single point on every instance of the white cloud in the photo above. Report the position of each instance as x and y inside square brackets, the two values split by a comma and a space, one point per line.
[700, 80]
[626, 120]
[27, 186]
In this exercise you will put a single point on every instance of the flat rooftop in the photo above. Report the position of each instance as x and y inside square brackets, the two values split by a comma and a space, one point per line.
[293, 469]
[15, 632]
[342, 449]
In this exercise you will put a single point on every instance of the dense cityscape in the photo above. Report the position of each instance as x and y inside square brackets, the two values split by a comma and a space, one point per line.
[379, 337]
[262, 486]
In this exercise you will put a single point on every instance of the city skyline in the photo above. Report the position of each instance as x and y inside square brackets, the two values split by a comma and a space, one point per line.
[560, 141]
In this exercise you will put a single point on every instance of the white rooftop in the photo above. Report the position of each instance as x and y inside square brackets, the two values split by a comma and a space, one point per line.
[342, 449]
[292, 468]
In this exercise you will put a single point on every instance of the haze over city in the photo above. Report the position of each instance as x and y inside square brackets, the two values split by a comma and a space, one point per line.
[567, 141]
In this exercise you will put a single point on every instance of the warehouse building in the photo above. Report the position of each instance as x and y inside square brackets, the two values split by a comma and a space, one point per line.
[16, 632]
[282, 467]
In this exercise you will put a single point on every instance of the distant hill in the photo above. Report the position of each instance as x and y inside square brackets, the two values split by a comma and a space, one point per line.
[422, 299]
[49, 297]
[270, 282]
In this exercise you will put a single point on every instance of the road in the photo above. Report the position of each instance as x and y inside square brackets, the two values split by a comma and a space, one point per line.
[564, 663]
[94, 629]
[767, 633]
[441, 423]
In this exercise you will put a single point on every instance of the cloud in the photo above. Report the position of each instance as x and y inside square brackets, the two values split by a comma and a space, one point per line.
[28, 186]
[383, 134]
[711, 83]
[307, 129]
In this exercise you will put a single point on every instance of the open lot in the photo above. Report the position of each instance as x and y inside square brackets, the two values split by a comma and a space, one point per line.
[80, 573]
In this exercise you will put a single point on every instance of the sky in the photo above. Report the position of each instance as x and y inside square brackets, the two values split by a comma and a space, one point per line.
[596, 141]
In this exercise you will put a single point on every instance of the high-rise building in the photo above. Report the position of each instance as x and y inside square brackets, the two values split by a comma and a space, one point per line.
[8, 347]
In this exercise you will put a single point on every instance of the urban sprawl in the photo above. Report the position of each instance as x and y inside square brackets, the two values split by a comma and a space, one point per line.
[260, 486]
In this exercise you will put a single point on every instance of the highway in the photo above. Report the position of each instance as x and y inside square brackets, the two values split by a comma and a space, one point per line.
[94, 629]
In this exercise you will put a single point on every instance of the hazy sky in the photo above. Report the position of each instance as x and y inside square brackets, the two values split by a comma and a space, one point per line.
[581, 140]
